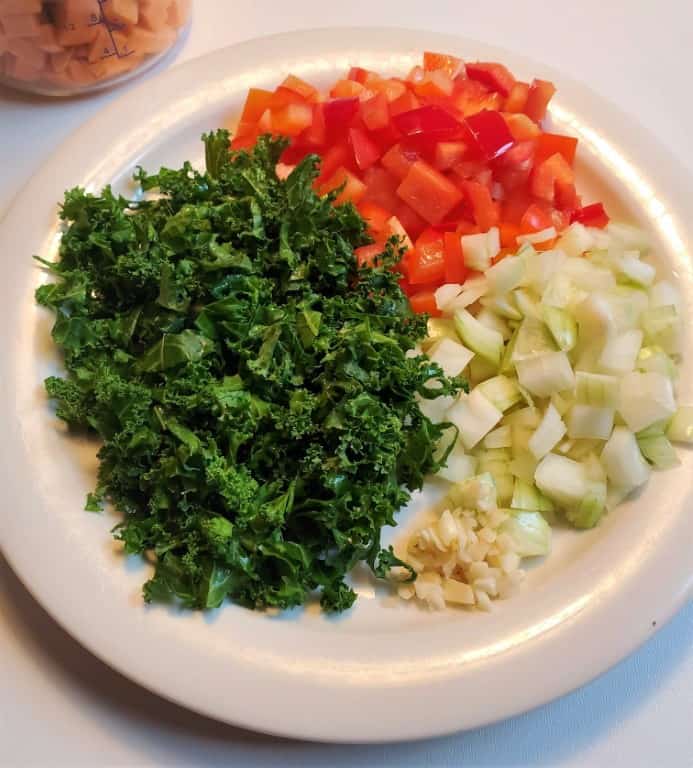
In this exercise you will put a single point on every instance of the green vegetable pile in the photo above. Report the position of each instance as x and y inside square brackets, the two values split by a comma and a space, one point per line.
[251, 386]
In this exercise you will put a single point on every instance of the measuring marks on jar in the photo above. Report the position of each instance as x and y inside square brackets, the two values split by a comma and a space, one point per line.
[110, 40]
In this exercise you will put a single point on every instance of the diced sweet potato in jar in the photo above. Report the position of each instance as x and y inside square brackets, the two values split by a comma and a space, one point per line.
[178, 13]
[47, 40]
[21, 25]
[108, 44]
[18, 7]
[72, 45]
[76, 21]
[20, 69]
[59, 61]
[27, 52]
[154, 14]
[121, 11]
[143, 41]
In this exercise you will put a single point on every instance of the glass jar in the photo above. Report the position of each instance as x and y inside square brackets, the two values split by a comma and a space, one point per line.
[68, 47]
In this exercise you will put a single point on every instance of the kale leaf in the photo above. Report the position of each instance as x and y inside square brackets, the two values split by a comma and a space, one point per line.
[255, 392]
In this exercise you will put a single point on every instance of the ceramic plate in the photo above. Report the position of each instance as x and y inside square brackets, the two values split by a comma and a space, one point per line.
[386, 670]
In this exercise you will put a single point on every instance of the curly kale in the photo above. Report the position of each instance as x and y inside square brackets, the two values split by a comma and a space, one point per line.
[255, 392]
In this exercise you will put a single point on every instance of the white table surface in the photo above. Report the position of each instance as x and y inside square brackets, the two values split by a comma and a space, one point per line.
[59, 706]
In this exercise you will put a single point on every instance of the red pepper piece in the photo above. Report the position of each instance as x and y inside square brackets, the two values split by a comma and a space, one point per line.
[490, 133]
[338, 114]
[592, 215]
[431, 122]
[492, 75]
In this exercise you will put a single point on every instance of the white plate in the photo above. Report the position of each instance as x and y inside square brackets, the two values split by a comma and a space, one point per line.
[385, 670]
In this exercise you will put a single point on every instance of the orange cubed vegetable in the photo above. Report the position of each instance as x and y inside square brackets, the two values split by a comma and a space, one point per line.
[144, 42]
[292, 119]
[116, 66]
[47, 40]
[19, 7]
[59, 61]
[21, 25]
[109, 44]
[153, 14]
[80, 72]
[76, 22]
[353, 191]
[27, 53]
[20, 68]
[178, 13]
[122, 11]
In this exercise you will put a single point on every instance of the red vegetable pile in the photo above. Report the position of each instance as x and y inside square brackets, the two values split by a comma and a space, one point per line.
[452, 149]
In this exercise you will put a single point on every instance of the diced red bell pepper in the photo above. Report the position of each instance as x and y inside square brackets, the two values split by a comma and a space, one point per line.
[246, 128]
[301, 87]
[399, 159]
[473, 170]
[494, 76]
[293, 154]
[335, 157]
[375, 216]
[338, 114]
[392, 89]
[366, 255]
[359, 74]
[485, 211]
[435, 86]
[375, 112]
[246, 141]
[448, 154]
[395, 228]
[521, 127]
[426, 264]
[513, 168]
[517, 98]
[593, 215]
[416, 75]
[256, 102]
[283, 96]
[490, 133]
[461, 212]
[366, 152]
[404, 284]
[428, 192]
[292, 119]
[315, 135]
[404, 103]
[381, 188]
[567, 198]
[550, 143]
[264, 124]
[544, 177]
[353, 191]
[538, 98]
[451, 65]
[470, 97]
[455, 269]
[413, 224]
[467, 228]
[431, 121]
[535, 219]
[508, 234]
[424, 303]
[560, 220]
[514, 205]
[347, 89]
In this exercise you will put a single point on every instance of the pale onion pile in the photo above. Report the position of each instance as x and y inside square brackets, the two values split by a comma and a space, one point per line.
[572, 357]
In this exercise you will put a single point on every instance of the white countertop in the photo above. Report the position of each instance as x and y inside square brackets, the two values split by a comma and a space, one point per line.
[59, 706]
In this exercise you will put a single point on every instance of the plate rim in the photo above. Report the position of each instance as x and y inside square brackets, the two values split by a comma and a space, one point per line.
[20, 565]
